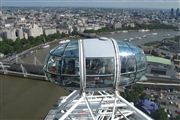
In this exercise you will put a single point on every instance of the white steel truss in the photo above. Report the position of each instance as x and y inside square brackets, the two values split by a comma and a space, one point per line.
[99, 105]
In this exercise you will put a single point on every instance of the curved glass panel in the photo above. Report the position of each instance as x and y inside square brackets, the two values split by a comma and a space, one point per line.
[99, 81]
[140, 57]
[128, 62]
[54, 65]
[70, 66]
[62, 66]
[70, 81]
[99, 72]
[72, 49]
[58, 51]
[127, 79]
[99, 66]
[132, 60]
[141, 61]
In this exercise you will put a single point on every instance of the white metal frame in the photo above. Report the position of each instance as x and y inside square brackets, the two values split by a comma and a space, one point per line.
[98, 105]
[4, 67]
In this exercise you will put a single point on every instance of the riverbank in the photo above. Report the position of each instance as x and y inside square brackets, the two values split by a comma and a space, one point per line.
[26, 99]
[126, 31]
[152, 26]
[27, 51]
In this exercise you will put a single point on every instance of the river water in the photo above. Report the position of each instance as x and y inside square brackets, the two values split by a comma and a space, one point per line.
[140, 38]
[27, 99]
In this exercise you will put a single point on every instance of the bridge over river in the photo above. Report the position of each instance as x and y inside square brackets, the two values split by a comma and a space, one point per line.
[23, 70]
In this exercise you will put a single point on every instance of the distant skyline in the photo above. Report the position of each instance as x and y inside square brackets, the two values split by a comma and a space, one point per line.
[164, 4]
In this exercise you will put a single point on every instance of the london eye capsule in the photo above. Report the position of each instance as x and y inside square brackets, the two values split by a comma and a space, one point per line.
[98, 63]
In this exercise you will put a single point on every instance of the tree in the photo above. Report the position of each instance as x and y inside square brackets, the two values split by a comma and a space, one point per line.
[132, 96]
[177, 117]
[8, 46]
[160, 114]
[5, 48]
[17, 45]
[138, 88]
[144, 96]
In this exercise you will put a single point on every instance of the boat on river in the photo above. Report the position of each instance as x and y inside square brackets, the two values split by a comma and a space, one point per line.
[63, 41]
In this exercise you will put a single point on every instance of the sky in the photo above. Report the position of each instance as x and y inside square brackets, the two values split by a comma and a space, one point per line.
[94, 3]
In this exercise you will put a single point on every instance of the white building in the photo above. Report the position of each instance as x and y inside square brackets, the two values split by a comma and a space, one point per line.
[50, 31]
[70, 27]
[10, 34]
[132, 25]
[25, 35]
[117, 25]
[20, 34]
[8, 25]
[66, 31]
[80, 29]
[34, 31]
[22, 19]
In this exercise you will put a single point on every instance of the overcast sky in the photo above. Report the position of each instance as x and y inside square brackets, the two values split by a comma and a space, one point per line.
[95, 3]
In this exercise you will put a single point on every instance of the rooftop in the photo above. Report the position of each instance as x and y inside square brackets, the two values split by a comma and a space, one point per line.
[158, 60]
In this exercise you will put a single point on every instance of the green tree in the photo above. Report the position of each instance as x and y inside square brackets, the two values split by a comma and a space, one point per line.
[144, 96]
[138, 88]
[17, 46]
[132, 96]
[160, 114]
[135, 93]
[6, 48]
[177, 117]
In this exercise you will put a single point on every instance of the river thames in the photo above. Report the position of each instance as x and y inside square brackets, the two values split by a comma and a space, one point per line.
[27, 99]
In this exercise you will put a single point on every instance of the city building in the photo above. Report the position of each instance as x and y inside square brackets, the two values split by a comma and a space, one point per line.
[117, 25]
[79, 29]
[10, 34]
[49, 31]
[19, 33]
[34, 30]
[177, 13]
[66, 31]
[161, 67]
[172, 13]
